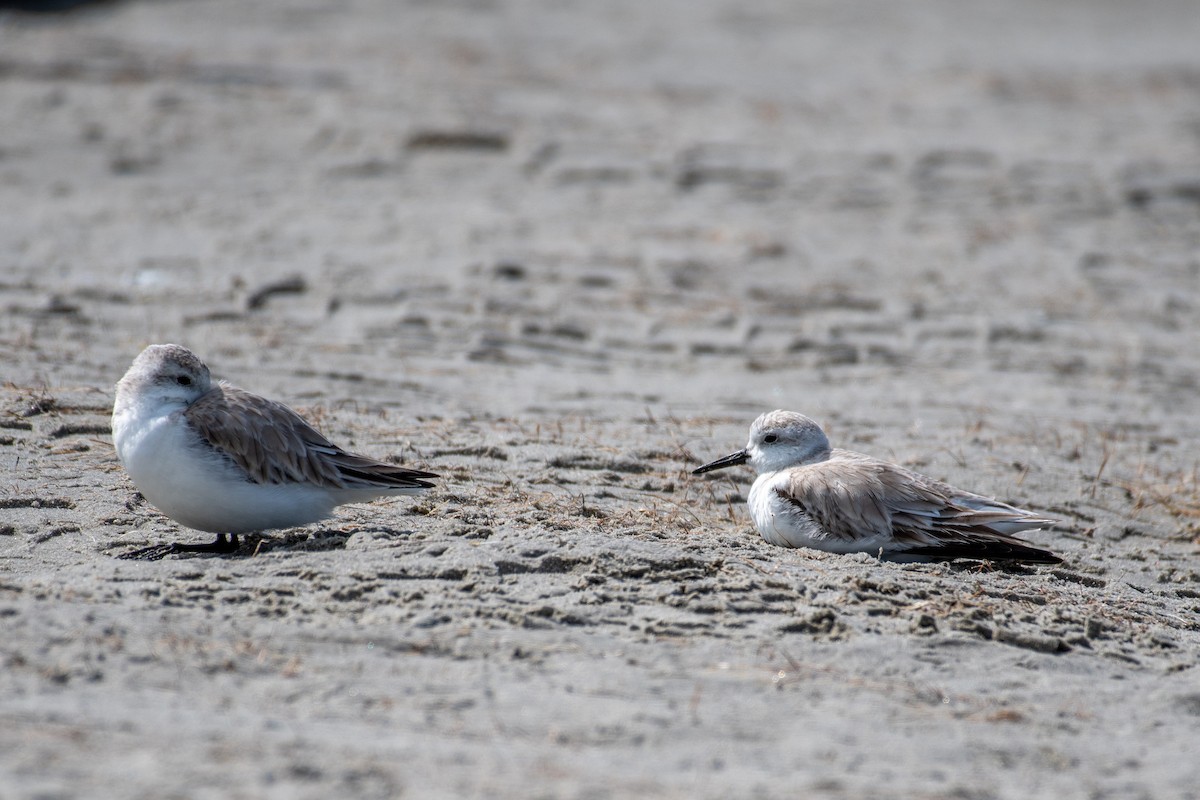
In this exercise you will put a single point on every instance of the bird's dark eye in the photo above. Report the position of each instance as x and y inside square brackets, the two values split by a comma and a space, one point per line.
[184, 380]
[770, 438]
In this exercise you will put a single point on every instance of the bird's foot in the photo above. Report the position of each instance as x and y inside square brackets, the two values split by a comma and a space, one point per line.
[225, 543]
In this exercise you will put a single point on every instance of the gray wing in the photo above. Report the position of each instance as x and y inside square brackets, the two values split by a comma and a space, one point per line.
[856, 497]
[273, 444]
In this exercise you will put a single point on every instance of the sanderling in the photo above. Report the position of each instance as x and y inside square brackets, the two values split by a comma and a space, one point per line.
[216, 458]
[808, 494]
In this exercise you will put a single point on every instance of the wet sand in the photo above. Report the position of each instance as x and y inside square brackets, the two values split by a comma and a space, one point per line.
[561, 253]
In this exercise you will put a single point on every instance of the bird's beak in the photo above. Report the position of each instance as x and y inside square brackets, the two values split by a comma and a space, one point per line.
[731, 460]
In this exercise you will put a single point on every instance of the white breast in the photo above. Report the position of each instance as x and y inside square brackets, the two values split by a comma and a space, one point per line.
[787, 524]
[781, 523]
[195, 486]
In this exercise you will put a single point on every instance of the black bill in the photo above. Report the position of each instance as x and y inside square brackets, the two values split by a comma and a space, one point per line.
[731, 460]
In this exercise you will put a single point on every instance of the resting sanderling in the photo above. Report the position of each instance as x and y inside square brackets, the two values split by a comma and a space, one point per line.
[216, 458]
[808, 494]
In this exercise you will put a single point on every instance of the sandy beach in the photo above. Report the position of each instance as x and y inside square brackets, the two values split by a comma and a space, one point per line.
[561, 253]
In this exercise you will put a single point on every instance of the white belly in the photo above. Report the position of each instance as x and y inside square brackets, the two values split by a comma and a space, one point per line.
[198, 488]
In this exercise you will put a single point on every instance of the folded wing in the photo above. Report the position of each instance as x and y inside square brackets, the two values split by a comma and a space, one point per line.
[274, 445]
[855, 497]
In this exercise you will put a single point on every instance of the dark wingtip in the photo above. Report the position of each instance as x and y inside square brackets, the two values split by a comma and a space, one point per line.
[986, 551]
[416, 480]
[397, 477]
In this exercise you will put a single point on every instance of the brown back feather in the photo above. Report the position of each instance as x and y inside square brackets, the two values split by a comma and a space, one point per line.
[299, 453]
[855, 496]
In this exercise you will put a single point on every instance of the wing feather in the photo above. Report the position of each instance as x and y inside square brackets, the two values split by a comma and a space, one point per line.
[855, 497]
[273, 444]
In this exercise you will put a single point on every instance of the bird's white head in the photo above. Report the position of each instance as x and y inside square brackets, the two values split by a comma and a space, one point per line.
[778, 439]
[163, 374]
[781, 439]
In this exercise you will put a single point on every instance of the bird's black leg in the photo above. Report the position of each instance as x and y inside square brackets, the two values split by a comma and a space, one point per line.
[225, 543]
[221, 545]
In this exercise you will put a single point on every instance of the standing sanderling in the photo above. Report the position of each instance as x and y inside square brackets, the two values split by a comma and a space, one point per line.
[216, 458]
[810, 495]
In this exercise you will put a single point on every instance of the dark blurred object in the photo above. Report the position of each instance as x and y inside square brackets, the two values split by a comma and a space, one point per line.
[49, 6]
